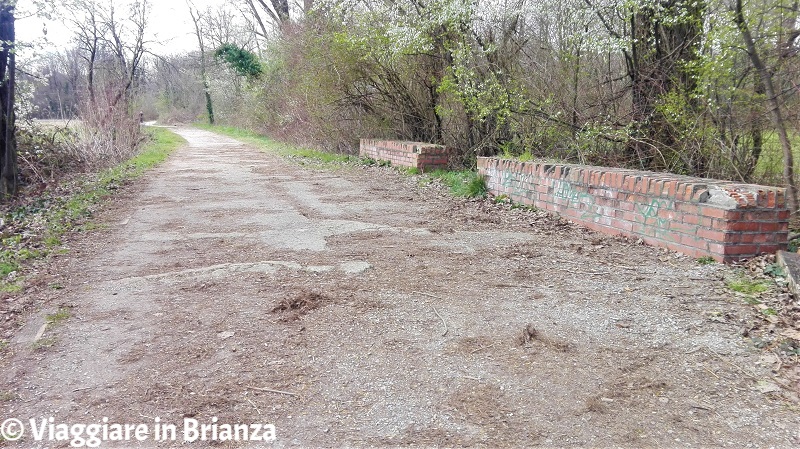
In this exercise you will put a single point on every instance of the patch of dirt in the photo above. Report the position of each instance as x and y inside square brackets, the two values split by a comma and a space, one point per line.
[296, 306]
[531, 335]
[355, 306]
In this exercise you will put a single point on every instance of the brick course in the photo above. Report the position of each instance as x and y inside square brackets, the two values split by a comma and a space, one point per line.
[424, 156]
[699, 217]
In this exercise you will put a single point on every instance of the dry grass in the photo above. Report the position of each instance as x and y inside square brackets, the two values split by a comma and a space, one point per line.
[299, 305]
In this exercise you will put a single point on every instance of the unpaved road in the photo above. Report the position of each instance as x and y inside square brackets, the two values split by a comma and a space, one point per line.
[418, 319]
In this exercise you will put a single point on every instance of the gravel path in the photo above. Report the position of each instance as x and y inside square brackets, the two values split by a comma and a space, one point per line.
[353, 306]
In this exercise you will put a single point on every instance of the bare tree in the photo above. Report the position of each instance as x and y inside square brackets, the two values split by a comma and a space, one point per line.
[126, 41]
[87, 31]
[276, 12]
[772, 102]
[203, 70]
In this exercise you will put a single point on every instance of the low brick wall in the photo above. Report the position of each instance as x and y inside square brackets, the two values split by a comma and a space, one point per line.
[695, 216]
[424, 156]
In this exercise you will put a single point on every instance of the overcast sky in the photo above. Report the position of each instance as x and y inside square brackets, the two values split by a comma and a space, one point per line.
[170, 27]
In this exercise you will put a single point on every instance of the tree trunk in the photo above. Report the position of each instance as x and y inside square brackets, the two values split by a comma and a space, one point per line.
[772, 104]
[8, 143]
[203, 74]
[660, 51]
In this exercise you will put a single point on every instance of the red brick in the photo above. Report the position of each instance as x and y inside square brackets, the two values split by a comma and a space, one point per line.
[624, 225]
[747, 238]
[687, 208]
[716, 248]
[714, 212]
[670, 214]
[683, 228]
[692, 241]
[761, 215]
[746, 226]
[712, 234]
[740, 249]
[691, 219]
[773, 227]
[770, 249]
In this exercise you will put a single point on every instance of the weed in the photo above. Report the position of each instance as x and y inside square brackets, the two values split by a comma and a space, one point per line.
[7, 267]
[502, 199]
[525, 157]
[58, 317]
[465, 183]
[525, 207]
[8, 396]
[752, 301]
[11, 287]
[747, 286]
[706, 260]
[410, 171]
[774, 270]
[52, 241]
[44, 343]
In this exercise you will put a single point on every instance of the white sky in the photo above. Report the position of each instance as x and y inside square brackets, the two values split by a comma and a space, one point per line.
[170, 27]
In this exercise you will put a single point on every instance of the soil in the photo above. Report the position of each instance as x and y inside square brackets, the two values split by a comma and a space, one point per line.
[355, 306]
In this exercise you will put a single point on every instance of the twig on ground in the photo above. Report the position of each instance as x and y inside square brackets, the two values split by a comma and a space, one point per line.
[440, 317]
[427, 294]
[254, 406]
[747, 373]
[482, 348]
[513, 286]
[269, 390]
[710, 372]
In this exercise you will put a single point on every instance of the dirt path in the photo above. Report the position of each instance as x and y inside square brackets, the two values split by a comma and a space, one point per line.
[394, 315]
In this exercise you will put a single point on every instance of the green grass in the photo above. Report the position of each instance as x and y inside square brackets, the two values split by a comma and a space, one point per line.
[11, 287]
[7, 267]
[705, 260]
[465, 183]
[53, 216]
[266, 144]
[58, 317]
[747, 286]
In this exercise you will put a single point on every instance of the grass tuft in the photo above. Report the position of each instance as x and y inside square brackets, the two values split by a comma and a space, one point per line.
[465, 183]
[58, 317]
[747, 286]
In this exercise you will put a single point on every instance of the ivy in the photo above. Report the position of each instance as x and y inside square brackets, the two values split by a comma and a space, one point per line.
[243, 62]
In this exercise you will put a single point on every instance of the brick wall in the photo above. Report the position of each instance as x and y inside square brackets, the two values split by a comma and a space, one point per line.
[695, 216]
[425, 156]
